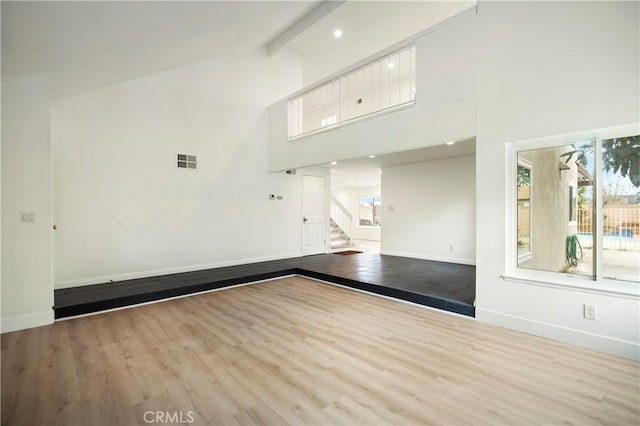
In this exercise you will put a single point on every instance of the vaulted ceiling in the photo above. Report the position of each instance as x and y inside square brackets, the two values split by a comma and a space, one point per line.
[368, 27]
[86, 44]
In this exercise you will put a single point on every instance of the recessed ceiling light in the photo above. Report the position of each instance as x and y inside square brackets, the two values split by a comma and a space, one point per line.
[450, 143]
[391, 65]
[337, 33]
[333, 163]
[372, 156]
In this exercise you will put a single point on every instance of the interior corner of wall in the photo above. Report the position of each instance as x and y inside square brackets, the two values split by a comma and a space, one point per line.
[23, 322]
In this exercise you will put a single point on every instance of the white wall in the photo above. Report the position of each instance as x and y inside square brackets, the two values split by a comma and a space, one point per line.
[517, 70]
[27, 291]
[429, 206]
[350, 199]
[443, 112]
[123, 208]
[547, 69]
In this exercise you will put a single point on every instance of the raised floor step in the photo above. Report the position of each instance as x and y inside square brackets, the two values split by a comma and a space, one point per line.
[441, 285]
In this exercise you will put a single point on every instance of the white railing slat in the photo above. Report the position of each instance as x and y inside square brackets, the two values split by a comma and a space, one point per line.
[356, 94]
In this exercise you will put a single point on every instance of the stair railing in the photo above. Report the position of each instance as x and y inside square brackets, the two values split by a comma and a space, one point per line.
[341, 216]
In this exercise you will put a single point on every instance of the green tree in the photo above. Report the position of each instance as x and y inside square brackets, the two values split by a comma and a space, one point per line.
[619, 155]
[524, 176]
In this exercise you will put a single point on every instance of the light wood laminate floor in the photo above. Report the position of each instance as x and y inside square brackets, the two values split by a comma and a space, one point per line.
[295, 351]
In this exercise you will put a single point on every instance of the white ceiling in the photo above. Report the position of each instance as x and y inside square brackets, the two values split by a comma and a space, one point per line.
[359, 172]
[368, 27]
[85, 44]
[354, 176]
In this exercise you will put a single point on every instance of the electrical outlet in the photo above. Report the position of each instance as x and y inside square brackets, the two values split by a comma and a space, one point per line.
[589, 312]
[27, 217]
[450, 247]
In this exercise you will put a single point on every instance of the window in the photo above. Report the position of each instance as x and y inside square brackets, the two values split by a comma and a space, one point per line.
[328, 121]
[545, 177]
[524, 210]
[576, 206]
[187, 161]
[386, 83]
[369, 211]
[620, 174]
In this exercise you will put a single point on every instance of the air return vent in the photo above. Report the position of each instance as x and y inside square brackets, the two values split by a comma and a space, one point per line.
[187, 161]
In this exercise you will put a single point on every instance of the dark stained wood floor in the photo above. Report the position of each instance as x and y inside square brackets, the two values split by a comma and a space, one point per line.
[446, 286]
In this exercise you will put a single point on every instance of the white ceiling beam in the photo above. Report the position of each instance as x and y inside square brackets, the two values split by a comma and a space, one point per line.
[300, 26]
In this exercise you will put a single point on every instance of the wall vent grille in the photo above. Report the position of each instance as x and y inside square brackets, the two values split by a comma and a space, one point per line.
[186, 161]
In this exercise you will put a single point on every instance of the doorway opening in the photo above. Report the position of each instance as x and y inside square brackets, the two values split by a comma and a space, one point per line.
[356, 207]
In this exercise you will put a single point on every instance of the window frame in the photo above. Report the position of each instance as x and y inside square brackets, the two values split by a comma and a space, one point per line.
[597, 283]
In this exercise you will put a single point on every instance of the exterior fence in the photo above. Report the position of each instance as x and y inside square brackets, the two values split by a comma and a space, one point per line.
[620, 227]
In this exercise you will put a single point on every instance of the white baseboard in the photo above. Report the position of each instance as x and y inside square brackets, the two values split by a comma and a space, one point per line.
[575, 337]
[155, 272]
[460, 260]
[27, 321]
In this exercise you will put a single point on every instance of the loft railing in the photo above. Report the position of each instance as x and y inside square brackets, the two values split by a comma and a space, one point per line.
[381, 85]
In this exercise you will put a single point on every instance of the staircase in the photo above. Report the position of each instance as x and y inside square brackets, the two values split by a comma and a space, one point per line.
[339, 239]
[340, 222]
